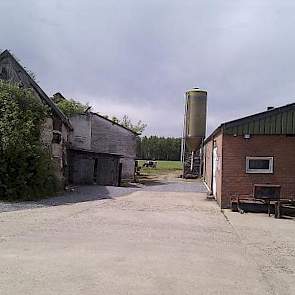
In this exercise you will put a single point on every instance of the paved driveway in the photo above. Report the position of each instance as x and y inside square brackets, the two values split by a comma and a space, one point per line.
[131, 241]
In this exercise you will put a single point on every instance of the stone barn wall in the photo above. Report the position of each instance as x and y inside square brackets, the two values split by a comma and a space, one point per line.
[108, 137]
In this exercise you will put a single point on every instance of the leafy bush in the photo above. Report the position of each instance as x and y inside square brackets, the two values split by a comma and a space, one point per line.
[71, 107]
[138, 127]
[26, 170]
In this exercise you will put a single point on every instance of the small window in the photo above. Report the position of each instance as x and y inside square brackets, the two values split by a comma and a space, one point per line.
[56, 137]
[4, 74]
[57, 124]
[259, 164]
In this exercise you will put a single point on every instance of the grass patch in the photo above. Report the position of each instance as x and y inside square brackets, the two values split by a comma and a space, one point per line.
[162, 167]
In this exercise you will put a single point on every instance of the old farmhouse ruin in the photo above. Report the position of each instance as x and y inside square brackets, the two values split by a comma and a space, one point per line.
[56, 129]
[86, 148]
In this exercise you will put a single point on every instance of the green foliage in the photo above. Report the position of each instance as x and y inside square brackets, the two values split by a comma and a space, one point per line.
[115, 119]
[26, 170]
[159, 148]
[71, 107]
[139, 127]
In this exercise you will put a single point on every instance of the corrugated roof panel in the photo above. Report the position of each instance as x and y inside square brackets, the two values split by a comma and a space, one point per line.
[261, 126]
[279, 124]
[284, 123]
[229, 131]
[280, 120]
[267, 125]
[289, 122]
[246, 128]
[240, 130]
[256, 127]
[251, 127]
[273, 124]
[293, 129]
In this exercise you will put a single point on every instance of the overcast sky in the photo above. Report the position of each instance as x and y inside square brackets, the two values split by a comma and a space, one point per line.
[138, 57]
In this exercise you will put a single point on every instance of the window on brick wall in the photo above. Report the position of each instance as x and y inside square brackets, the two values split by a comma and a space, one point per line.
[259, 164]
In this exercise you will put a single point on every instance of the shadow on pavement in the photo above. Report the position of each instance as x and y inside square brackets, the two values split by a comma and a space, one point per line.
[89, 193]
[76, 195]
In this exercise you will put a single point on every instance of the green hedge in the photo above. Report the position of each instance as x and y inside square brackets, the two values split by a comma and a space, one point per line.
[26, 170]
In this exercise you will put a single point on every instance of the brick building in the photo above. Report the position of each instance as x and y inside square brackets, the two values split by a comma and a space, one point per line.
[257, 149]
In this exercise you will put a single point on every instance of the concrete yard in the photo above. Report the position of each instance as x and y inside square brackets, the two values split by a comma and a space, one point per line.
[162, 238]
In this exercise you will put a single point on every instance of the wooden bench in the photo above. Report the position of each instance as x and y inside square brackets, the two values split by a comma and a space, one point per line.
[262, 194]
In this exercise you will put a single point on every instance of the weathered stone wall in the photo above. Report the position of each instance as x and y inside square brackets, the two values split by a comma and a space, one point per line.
[80, 137]
[108, 137]
[58, 151]
[128, 168]
[46, 133]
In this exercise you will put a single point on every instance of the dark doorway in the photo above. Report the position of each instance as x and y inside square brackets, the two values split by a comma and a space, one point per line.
[120, 174]
[95, 171]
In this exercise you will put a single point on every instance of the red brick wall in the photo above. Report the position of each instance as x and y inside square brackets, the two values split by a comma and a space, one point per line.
[237, 181]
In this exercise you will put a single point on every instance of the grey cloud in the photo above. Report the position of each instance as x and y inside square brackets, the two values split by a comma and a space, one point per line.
[140, 56]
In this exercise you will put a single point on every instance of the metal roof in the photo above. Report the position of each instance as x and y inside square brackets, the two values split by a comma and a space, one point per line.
[115, 123]
[277, 121]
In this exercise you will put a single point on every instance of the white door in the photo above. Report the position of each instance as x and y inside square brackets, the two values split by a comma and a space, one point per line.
[214, 170]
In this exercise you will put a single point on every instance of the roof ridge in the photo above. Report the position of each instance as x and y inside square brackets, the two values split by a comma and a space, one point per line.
[227, 124]
[38, 89]
[274, 110]
[116, 123]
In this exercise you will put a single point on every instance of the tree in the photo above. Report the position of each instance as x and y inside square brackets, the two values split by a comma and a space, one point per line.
[115, 119]
[139, 127]
[71, 107]
[159, 148]
[26, 169]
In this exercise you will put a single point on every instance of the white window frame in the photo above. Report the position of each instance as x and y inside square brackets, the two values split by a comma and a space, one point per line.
[265, 171]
